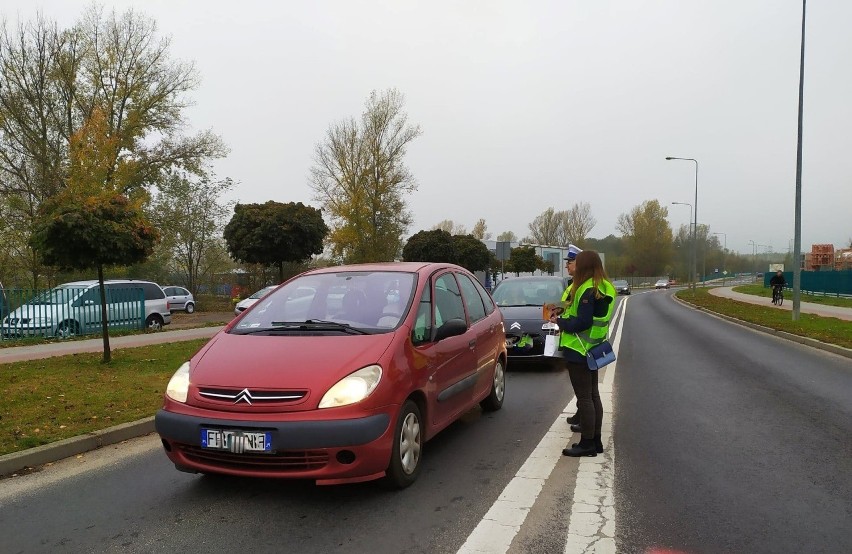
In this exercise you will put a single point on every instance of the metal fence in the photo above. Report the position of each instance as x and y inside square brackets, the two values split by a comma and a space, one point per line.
[63, 311]
[825, 283]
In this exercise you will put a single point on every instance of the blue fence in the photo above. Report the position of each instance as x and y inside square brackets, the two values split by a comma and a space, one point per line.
[825, 283]
[63, 311]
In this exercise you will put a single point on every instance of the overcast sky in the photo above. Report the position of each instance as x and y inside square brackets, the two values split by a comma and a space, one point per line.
[527, 105]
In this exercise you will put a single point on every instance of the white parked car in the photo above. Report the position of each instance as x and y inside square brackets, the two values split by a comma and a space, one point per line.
[179, 299]
[245, 304]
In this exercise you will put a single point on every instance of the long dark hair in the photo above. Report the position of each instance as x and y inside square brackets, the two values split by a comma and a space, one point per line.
[588, 265]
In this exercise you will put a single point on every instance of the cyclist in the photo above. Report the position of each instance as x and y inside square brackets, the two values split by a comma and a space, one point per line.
[777, 283]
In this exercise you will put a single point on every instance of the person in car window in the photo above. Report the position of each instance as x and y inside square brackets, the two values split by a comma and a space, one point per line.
[585, 322]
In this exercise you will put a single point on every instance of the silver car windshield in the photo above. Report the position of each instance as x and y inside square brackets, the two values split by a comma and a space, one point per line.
[375, 301]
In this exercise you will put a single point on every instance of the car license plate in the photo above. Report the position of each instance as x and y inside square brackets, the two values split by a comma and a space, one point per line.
[236, 441]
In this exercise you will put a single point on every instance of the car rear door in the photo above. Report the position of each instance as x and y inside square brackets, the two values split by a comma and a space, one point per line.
[488, 334]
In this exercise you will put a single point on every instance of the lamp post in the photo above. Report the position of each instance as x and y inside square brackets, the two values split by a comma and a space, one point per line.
[690, 225]
[694, 221]
[724, 255]
[797, 248]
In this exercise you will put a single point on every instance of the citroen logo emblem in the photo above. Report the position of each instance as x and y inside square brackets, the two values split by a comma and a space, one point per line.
[515, 325]
[243, 396]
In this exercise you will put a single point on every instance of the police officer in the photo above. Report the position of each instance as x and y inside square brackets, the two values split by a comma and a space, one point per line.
[585, 322]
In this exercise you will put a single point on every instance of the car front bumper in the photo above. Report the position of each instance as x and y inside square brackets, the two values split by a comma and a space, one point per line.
[328, 450]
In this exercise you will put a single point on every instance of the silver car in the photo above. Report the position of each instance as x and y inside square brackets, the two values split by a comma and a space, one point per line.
[246, 303]
[179, 299]
[75, 308]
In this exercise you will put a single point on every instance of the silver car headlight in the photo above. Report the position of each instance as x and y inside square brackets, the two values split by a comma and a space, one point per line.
[353, 388]
[178, 387]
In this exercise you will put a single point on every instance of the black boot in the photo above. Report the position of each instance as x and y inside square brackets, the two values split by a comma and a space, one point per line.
[576, 428]
[598, 444]
[586, 447]
[574, 419]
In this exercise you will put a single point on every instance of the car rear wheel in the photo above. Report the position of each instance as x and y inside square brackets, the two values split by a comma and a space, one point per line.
[189, 308]
[494, 400]
[154, 323]
[407, 447]
[67, 329]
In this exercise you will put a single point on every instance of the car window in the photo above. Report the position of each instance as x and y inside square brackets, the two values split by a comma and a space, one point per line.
[472, 300]
[181, 292]
[487, 301]
[422, 330]
[448, 300]
[152, 291]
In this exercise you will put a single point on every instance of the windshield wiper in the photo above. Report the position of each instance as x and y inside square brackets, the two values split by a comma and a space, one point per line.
[318, 325]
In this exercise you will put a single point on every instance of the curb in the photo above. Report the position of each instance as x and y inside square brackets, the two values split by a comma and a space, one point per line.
[25, 459]
[813, 343]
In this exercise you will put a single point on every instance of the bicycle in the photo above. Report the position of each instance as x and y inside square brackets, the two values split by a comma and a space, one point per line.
[777, 295]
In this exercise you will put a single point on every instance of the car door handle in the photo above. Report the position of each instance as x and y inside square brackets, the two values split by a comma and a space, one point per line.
[471, 343]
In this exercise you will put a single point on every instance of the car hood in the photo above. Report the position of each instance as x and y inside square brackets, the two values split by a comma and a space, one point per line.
[285, 361]
[525, 318]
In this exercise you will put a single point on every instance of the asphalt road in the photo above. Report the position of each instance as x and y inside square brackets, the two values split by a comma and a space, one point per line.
[724, 440]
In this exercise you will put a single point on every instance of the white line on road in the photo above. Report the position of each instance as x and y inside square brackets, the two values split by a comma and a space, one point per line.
[497, 529]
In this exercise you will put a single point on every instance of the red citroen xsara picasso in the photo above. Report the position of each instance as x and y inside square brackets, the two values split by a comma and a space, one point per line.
[339, 375]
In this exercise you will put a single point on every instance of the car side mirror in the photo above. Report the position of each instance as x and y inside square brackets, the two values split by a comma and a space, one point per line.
[451, 328]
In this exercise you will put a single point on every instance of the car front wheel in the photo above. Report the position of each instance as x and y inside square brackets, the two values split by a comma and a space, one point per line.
[407, 447]
[67, 329]
[494, 400]
[189, 308]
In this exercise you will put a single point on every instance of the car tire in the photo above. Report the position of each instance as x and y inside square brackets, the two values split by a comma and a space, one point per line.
[154, 323]
[189, 308]
[67, 329]
[494, 400]
[407, 449]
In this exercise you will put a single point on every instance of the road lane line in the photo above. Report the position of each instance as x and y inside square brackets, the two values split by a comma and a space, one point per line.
[499, 526]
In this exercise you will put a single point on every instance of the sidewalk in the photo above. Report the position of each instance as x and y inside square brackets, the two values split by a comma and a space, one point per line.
[41, 351]
[804, 307]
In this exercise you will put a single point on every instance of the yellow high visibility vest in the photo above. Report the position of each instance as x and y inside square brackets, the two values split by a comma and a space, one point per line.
[583, 340]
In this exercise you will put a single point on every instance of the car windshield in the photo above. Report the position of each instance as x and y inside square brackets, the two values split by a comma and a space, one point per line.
[619, 283]
[373, 301]
[528, 292]
[58, 295]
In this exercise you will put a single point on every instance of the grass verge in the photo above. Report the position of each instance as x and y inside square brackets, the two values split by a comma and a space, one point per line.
[824, 329]
[766, 292]
[58, 398]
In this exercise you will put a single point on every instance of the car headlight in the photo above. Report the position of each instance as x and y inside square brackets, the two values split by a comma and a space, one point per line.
[353, 388]
[178, 387]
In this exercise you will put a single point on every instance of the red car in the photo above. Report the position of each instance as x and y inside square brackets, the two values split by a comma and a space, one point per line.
[340, 375]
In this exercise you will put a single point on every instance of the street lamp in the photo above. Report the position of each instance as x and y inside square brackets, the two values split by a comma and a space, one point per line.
[724, 257]
[694, 221]
[690, 225]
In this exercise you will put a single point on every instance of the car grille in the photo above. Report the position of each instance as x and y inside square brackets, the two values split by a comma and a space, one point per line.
[537, 348]
[252, 397]
[292, 460]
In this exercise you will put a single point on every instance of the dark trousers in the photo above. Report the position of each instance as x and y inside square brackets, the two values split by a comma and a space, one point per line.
[589, 405]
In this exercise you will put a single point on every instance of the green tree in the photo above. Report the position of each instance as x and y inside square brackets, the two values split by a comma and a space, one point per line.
[649, 236]
[435, 245]
[523, 259]
[274, 233]
[191, 217]
[92, 232]
[471, 253]
[361, 182]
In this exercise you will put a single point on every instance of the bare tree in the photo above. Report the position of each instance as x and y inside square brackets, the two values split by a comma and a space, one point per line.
[546, 228]
[361, 182]
[507, 236]
[577, 223]
[451, 227]
[480, 230]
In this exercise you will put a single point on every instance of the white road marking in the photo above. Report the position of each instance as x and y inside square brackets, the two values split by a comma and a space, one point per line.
[592, 525]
